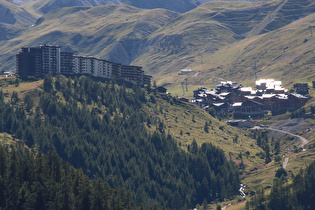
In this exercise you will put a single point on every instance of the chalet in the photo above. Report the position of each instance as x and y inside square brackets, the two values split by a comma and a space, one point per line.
[226, 95]
[264, 84]
[220, 108]
[248, 108]
[241, 123]
[228, 86]
[247, 91]
[185, 71]
[161, 89]
[213, 96]
[295, 101]
[301, 88]
[199, 102]
[200, 90]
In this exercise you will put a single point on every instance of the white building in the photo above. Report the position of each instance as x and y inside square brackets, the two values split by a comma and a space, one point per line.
[265, 84]
[104, 69]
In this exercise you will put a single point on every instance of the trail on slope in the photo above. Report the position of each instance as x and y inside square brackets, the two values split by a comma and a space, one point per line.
[268, 19]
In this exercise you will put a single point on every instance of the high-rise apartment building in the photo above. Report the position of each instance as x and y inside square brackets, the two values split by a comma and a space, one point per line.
[29, 62]
[132, 74]
[66, 63]
[47, 59]
[38, 61]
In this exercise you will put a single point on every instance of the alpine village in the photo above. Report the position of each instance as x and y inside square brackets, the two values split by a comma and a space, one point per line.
[157, 104]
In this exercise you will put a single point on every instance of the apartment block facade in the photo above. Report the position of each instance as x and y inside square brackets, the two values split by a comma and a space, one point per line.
[47, 59]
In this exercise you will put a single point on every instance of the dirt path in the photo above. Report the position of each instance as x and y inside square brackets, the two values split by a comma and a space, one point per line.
[268, 19]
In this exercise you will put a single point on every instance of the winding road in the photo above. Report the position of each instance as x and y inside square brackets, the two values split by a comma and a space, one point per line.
[304, 141]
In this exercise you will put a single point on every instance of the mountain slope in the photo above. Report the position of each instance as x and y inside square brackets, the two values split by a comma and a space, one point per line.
[204, 30]
[291, 11]
[114, 32]
[285, 54]
[161, 41]
[13, 20]
[237, 21]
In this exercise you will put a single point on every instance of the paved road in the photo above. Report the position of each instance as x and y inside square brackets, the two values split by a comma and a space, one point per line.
[304, 141]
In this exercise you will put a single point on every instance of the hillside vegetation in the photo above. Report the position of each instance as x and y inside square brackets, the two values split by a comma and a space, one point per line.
[105, 130]
[172, 123]
[30, 181]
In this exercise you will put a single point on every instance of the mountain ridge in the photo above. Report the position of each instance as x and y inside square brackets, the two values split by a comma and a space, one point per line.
[45, 6]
